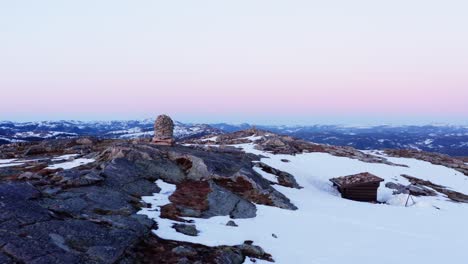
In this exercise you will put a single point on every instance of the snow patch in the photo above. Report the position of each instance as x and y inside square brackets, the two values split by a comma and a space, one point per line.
[64, 157]
[70, 164]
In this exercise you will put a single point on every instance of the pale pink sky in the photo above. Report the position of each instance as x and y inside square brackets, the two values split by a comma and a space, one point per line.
[242, 60]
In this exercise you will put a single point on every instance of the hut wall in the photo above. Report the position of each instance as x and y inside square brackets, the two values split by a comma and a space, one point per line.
[365, 192]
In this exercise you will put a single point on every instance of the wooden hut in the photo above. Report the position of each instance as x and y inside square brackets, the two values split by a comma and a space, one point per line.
[358, 187]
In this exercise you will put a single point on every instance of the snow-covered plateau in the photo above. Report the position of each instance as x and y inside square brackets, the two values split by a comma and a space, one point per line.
[327, 229]
[250, 196]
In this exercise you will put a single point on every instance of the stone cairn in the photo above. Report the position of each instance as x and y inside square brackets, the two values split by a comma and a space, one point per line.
[164, 131]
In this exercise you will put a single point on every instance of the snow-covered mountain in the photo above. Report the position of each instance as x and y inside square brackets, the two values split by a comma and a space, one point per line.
[451, 140]
[246, 197]
[36, 131]
[447, 139]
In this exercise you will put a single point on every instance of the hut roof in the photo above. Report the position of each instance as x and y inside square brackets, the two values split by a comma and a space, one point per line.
[356, 179]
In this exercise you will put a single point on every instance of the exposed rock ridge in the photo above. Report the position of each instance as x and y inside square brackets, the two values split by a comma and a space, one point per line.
[434, 158]
[280, 144]
[284, 179]
[87, 214]
[452, 195]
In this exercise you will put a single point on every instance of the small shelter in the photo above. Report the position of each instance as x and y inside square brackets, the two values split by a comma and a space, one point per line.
[358, 187]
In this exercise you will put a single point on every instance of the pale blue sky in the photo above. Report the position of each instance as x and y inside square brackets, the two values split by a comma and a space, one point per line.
[245, 60]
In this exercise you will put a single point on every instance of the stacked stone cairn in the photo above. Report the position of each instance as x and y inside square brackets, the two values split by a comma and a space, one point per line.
[164, 131]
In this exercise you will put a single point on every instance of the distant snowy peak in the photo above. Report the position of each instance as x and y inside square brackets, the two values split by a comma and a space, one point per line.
[447, 139]
[35, 131]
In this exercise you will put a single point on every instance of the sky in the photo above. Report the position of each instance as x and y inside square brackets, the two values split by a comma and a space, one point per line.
[259, 61]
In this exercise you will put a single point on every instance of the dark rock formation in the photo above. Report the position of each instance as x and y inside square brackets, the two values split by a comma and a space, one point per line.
[189, 230]
[231, 223]
[284, 178]
[452, 195]
[184, 251]
[88, 214]
[413, 189]
[156, 250]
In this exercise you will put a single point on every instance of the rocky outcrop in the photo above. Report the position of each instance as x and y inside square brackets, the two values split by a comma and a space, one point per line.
[434, 158]
[49, 148]
[88, 214]
[284, 179]
[157, 250]
[189, 230]
[413, 189]
[280, 144]
[253, 192]
[277, 144]
[452, 195]
[64, 228]
[206, 199]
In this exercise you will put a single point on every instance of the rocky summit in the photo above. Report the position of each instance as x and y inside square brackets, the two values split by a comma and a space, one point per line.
[244, 197]
[76, 200]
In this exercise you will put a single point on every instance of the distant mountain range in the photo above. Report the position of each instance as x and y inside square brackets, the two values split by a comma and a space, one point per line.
[451, 140]
[447, 139]
[36, 131]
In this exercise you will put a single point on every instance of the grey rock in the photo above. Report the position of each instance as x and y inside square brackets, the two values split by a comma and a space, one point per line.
[107, 202]
[397, 187]
[105, 254]
[29, 176]
[419, 190]
[413, 189]
[243, 209]
[27, 249]
[141, 187]
[76, 178]
[18, 205]
[224, 202]
[229, 256]
[284, 178]
[21, 191]
[140, 224]
[88, 214]
[189, 230]
[147, 164]
[71, 206]
[251, 250]
[231, 223]
[220, 165]
[189, 212]
[184, 251]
